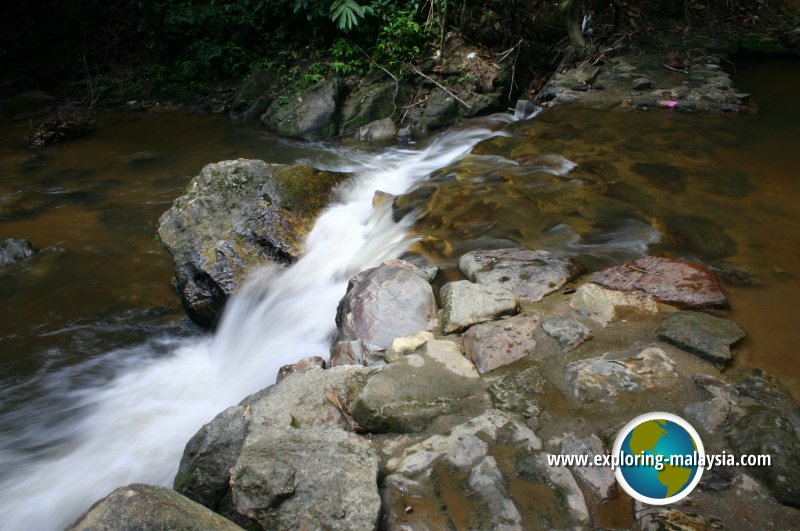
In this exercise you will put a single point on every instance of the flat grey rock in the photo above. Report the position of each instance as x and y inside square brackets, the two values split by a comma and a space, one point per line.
[500, 343]
[465, 304]
[700, 333]
[530, 275]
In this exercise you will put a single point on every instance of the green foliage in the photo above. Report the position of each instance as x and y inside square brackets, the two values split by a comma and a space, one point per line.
[401, 38]
[346, 13]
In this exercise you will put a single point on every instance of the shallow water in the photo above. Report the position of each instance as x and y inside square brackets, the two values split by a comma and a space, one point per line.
[95, 345]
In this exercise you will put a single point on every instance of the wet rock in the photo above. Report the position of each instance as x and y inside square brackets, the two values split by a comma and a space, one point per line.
[562, 483]
[407, 395]
[709, 415]
[482, 104]
[650, 518]
[770, 392]
[380, 198]
[465, 304]
[300, 401]
[700, 236]
[12, 251]
[567, 331]
[600, 481]
[406, 345]
[642, 83]
[718, 479]
[377, 131]
[765, 431]
[530, 275]
[717, 388]
[305, 364]
[700, 333]
[237, 214]
[383, 303]
[682, 284]
[368, 103]
[486, 481]
[523, 109]
[605, 305]
[603, 378]
[255, 95]
[464, 451]
[273, 486]
[139, 506]
[440, 111]
[312, 115]
[515, 392]
[497, 344]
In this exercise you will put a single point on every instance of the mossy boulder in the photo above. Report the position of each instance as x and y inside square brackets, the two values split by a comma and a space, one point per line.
[234, 215]
[313, 115]
[367, 104]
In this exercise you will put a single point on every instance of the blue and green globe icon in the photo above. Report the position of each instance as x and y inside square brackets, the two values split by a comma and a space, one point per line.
[658, 456]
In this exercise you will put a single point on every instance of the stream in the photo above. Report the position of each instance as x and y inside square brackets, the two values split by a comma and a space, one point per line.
[103, 379]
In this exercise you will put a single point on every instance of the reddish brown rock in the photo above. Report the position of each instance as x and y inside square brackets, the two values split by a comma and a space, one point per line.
[682, 284]
[305, 364]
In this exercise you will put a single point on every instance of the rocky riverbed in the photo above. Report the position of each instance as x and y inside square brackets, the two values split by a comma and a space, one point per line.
[447, 388]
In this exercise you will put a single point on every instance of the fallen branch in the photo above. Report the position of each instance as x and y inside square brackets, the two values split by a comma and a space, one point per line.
[419, 73]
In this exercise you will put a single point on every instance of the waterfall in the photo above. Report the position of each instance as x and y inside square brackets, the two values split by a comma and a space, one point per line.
[134, 427]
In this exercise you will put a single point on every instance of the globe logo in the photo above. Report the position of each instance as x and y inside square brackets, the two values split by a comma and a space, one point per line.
[658, 457]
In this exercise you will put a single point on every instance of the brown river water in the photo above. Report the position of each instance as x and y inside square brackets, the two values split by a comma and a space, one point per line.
[720, 189]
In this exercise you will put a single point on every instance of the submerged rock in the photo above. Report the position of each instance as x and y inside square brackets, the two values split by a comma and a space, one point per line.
[139, 506]
[603, 378]
[497, 344]
[567, 331]
[700, 333]
[407, 395]
[12, 251]
[381, 304]
[465, 304]
[237, 214]
[605, 305]
[682, 284]
[530, 275]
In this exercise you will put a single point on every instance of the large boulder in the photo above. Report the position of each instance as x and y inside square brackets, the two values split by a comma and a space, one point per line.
[254, 96]
[685, 285]
[530, 275]
[148, 507]
[408, 394]
[440, 111]
[392, 300]
[368, 103]
[251, 463]
[312, 115]
[764, 431]
[234, 215]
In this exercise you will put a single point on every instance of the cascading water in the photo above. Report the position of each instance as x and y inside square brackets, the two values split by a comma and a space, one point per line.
[134, 428]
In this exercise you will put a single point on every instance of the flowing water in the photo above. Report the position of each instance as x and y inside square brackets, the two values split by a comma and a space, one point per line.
[102, 379]
[133, 426]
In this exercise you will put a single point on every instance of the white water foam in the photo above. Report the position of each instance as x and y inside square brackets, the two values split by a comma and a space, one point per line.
[134, 428]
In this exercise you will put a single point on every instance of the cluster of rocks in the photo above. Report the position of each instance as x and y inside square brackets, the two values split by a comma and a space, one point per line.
[672, 81]
[371, 109]
[442, 404]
